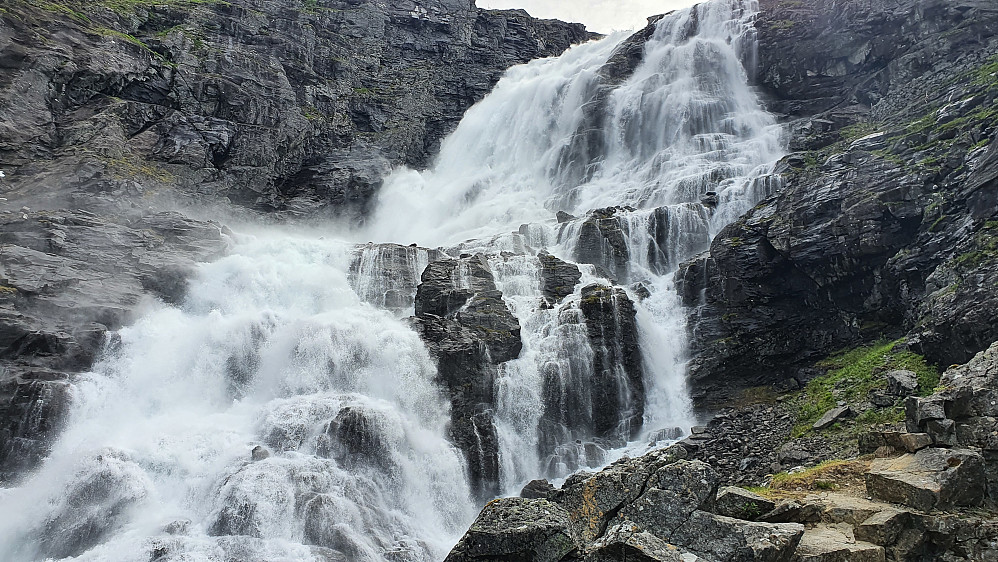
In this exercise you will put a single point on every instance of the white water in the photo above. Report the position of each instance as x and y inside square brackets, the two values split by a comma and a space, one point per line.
[284, 345]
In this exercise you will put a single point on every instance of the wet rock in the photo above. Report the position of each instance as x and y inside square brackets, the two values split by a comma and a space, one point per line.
[33, 408]
[259, 453]
[559, 277]
[618, 398]
[739, 503]
[357, 437]
[469, 330]
[564, 217]
[832, 416]
[930, 479]
[387, 275]
[68, 277]
[517, 529]
[94, 506]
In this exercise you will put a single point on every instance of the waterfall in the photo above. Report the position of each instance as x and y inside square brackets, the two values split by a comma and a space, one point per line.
[288, 410]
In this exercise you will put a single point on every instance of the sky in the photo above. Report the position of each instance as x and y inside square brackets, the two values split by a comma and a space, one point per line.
[602, 16]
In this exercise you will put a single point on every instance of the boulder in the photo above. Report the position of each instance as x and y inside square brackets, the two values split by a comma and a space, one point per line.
[715, 537]
[559, 277]
[901, 383]
[930, 479]
[625, 541]
[537, 489]
[914, 442]
[836, 543]
[884, 527]
[739, 503]
[832, 416]
[530, 530]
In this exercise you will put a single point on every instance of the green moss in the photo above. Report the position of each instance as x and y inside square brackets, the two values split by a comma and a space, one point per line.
[985, 248]
[853, 374]
[6, 291]
[937, 225]
[857, 131]
[981, 144]
[782, 24]
[987, 75]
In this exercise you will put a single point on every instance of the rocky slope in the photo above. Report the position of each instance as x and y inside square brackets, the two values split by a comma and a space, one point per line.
[114, 112]
[887, 223]
[924, 495]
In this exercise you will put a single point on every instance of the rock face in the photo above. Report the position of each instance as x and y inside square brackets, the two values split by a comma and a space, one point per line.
[276, 104]
[655, 508]
[886, 224]
[469, 329]
[618, 375]
[66, 279]
[965, 413]
[601, 238]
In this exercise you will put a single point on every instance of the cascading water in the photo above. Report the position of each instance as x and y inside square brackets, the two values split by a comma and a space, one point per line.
[287, 411]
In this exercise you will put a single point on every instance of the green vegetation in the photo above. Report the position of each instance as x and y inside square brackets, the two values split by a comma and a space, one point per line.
[782, 24]
[829, 475]
[985, 248]
[987, 75]
[852, 375]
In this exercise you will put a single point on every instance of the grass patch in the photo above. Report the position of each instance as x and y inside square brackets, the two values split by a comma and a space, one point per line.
[853, 374]
[829, 475]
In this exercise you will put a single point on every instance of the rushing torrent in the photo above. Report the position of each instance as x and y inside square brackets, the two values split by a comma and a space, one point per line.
[288, 411]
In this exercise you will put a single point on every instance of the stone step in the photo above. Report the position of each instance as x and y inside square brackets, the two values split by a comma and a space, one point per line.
[836, 543]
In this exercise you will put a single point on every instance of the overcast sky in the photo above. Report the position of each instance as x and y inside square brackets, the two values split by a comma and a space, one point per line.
[598, 15]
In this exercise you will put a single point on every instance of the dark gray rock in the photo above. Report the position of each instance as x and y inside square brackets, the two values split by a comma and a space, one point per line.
[387, 275]
[611, 321]
[832, 416]
[902, 383]
[559, 277]
[517, 529]
[715, 537]
[537, 489]
[470, 331]
[930, 479]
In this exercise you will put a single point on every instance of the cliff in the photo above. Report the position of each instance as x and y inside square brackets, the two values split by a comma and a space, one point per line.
[886, 225]
[115, 112]
[284, 105]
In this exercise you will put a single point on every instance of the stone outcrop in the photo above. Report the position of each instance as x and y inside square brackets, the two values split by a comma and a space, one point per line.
[654, 508]
[601, 238]
[964, 413]
[886, 223]
[470, 331]
[281, 105]
[617, 366]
